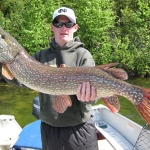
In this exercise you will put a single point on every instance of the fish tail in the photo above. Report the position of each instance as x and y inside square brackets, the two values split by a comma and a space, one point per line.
[144, 106]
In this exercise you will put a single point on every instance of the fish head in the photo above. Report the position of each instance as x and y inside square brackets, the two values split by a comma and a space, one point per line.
[8, 47]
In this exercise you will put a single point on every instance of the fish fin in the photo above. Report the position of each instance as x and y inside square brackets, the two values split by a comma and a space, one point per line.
[144, 106]
[61, 103]
[115, 72]
[112, 103]
[107, 66]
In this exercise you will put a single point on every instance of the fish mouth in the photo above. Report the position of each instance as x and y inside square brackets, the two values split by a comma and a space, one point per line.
[2, 36]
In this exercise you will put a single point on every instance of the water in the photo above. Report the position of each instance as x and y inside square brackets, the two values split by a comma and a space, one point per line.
[18, 102]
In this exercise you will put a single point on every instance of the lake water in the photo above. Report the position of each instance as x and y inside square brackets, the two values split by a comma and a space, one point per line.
[18, 102]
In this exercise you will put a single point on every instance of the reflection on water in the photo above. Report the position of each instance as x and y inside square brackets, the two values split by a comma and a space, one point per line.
[18, 102]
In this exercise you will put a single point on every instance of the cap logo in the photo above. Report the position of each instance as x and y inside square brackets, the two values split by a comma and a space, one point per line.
[62, 10]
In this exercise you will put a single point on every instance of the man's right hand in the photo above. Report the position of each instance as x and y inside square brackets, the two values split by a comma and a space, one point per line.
[6, 73]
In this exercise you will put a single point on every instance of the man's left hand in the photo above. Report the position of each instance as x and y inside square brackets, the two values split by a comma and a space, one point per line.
[86, 92]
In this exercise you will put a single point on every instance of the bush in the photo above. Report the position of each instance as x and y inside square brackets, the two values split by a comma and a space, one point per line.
[112, 31]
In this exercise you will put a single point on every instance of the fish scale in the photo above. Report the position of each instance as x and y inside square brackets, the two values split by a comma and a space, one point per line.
[65, 81]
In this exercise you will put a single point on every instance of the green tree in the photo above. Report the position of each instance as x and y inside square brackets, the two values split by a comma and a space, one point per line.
[133, 36]
[112, 30]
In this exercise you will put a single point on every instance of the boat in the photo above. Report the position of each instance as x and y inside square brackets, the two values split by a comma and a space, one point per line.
[9, 131]
[114, 131]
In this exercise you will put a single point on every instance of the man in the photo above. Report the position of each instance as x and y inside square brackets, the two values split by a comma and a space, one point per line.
[73, 129]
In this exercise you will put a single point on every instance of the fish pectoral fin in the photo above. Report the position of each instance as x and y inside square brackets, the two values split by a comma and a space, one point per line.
[61, 103]
[115, 72]
[112, 103]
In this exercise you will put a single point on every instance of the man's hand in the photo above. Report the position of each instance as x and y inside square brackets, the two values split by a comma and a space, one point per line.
[86, 92]
[6, 73]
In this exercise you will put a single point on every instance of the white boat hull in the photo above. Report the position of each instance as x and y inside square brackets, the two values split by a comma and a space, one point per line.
[9, 131]
[117, 132]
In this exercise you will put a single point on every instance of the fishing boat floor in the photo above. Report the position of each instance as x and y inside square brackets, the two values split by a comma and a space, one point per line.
[110, 139]
[103, 144]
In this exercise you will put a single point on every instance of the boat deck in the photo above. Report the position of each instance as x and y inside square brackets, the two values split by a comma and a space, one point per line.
[104, 145]
[111, 138]
[117, 130]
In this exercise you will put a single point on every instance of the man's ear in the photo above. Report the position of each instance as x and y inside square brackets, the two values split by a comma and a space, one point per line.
[76, 27]
[51, 27]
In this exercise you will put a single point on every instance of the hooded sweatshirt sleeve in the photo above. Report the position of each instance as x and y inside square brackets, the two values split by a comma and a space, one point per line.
[87, 59]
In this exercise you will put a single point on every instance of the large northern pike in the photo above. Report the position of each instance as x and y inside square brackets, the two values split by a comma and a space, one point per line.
[64, 81]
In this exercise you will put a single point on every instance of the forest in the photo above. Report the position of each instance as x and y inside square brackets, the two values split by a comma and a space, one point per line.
[112, 30]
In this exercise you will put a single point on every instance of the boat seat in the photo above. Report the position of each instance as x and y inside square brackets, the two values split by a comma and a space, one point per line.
[30, 137]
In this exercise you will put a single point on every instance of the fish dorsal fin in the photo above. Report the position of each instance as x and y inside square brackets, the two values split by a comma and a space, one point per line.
[61, 103]
[115, 72]
[112, 103]
[107, 66]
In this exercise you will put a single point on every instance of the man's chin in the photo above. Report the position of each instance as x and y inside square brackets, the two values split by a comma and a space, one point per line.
[65, 39]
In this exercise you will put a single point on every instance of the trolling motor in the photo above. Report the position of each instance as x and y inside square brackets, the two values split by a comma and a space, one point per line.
[36, 107]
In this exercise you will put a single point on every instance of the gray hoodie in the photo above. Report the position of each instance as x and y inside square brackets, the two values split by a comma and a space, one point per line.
[71, 54]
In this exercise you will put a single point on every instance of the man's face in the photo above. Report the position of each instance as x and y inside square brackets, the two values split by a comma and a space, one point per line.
[63, 34]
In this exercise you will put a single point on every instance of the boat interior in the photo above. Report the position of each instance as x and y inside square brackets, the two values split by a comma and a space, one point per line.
[114, 132]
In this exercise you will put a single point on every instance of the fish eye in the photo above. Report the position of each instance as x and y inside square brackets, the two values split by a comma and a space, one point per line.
[3, 36]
